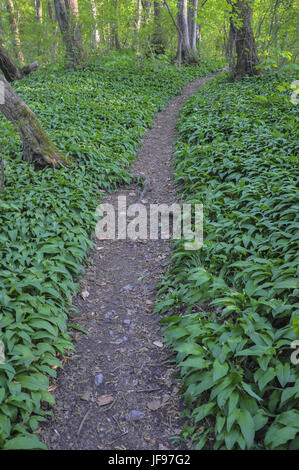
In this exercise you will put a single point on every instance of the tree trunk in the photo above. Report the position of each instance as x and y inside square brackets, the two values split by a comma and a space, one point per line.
[158, 39]
[38, 10]
[10, 70]
[50, 11]
[72, 8]
[138, 24]
[241, 36]
[139, 15]
[39, 18]
[37, 145]
[15, 30]
[178, 26]
[198, 35]
[74, 51]
[193, 24]
[188, 55]
[95, 34]
[114, 28]
[54, 30]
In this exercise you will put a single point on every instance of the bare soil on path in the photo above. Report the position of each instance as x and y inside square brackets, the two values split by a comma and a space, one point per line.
[122, 362]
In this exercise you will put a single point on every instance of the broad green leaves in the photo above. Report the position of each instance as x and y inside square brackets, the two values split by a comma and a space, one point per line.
[236, 155]
[47, 217]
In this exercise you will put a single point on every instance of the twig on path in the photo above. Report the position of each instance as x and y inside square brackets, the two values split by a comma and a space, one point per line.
[82, 422]
[118, 437]
[118, 425]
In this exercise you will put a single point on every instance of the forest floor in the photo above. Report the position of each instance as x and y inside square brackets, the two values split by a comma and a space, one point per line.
[118, 390]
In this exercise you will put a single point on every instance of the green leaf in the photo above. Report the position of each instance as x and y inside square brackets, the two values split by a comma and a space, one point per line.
[24, 443]
[32, 382]
[79, 328]
[250, 392]
[266, 378]
[203, 411]
[231, 437]
[247, 426]
[277, 436]
[220, 370]
[283, 373]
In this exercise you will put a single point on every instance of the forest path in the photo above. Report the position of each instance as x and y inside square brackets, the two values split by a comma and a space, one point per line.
[123, 361]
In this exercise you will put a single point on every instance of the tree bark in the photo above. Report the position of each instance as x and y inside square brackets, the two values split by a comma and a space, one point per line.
[193, 9]
[37, 145]
[10, 70]
[139, 15]
[242, 38]
[50, 11]
[95, 34]
[74, 51]
[198, 35]
[158, 38]
[180, 35]
[38, 10]
[189, 55]
[72, 8]
[114, 28]
[54, 30]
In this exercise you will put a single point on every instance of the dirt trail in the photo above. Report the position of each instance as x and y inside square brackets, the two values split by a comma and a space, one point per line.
[122, 357]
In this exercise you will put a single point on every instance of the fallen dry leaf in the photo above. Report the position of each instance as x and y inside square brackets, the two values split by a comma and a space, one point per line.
[52, 388]
[158, 344]
[84, 294]
[165, 398]
[148, 302]
[85, 396]
[154, 405]
[148, 439]
[104, 400]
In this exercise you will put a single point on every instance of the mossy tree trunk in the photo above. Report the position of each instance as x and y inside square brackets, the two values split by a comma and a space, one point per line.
[37, 145]
[10, 70]
[241, 41]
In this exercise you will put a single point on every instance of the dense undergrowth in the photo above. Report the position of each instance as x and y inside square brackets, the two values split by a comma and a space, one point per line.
[47, 217]
[237, 155]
